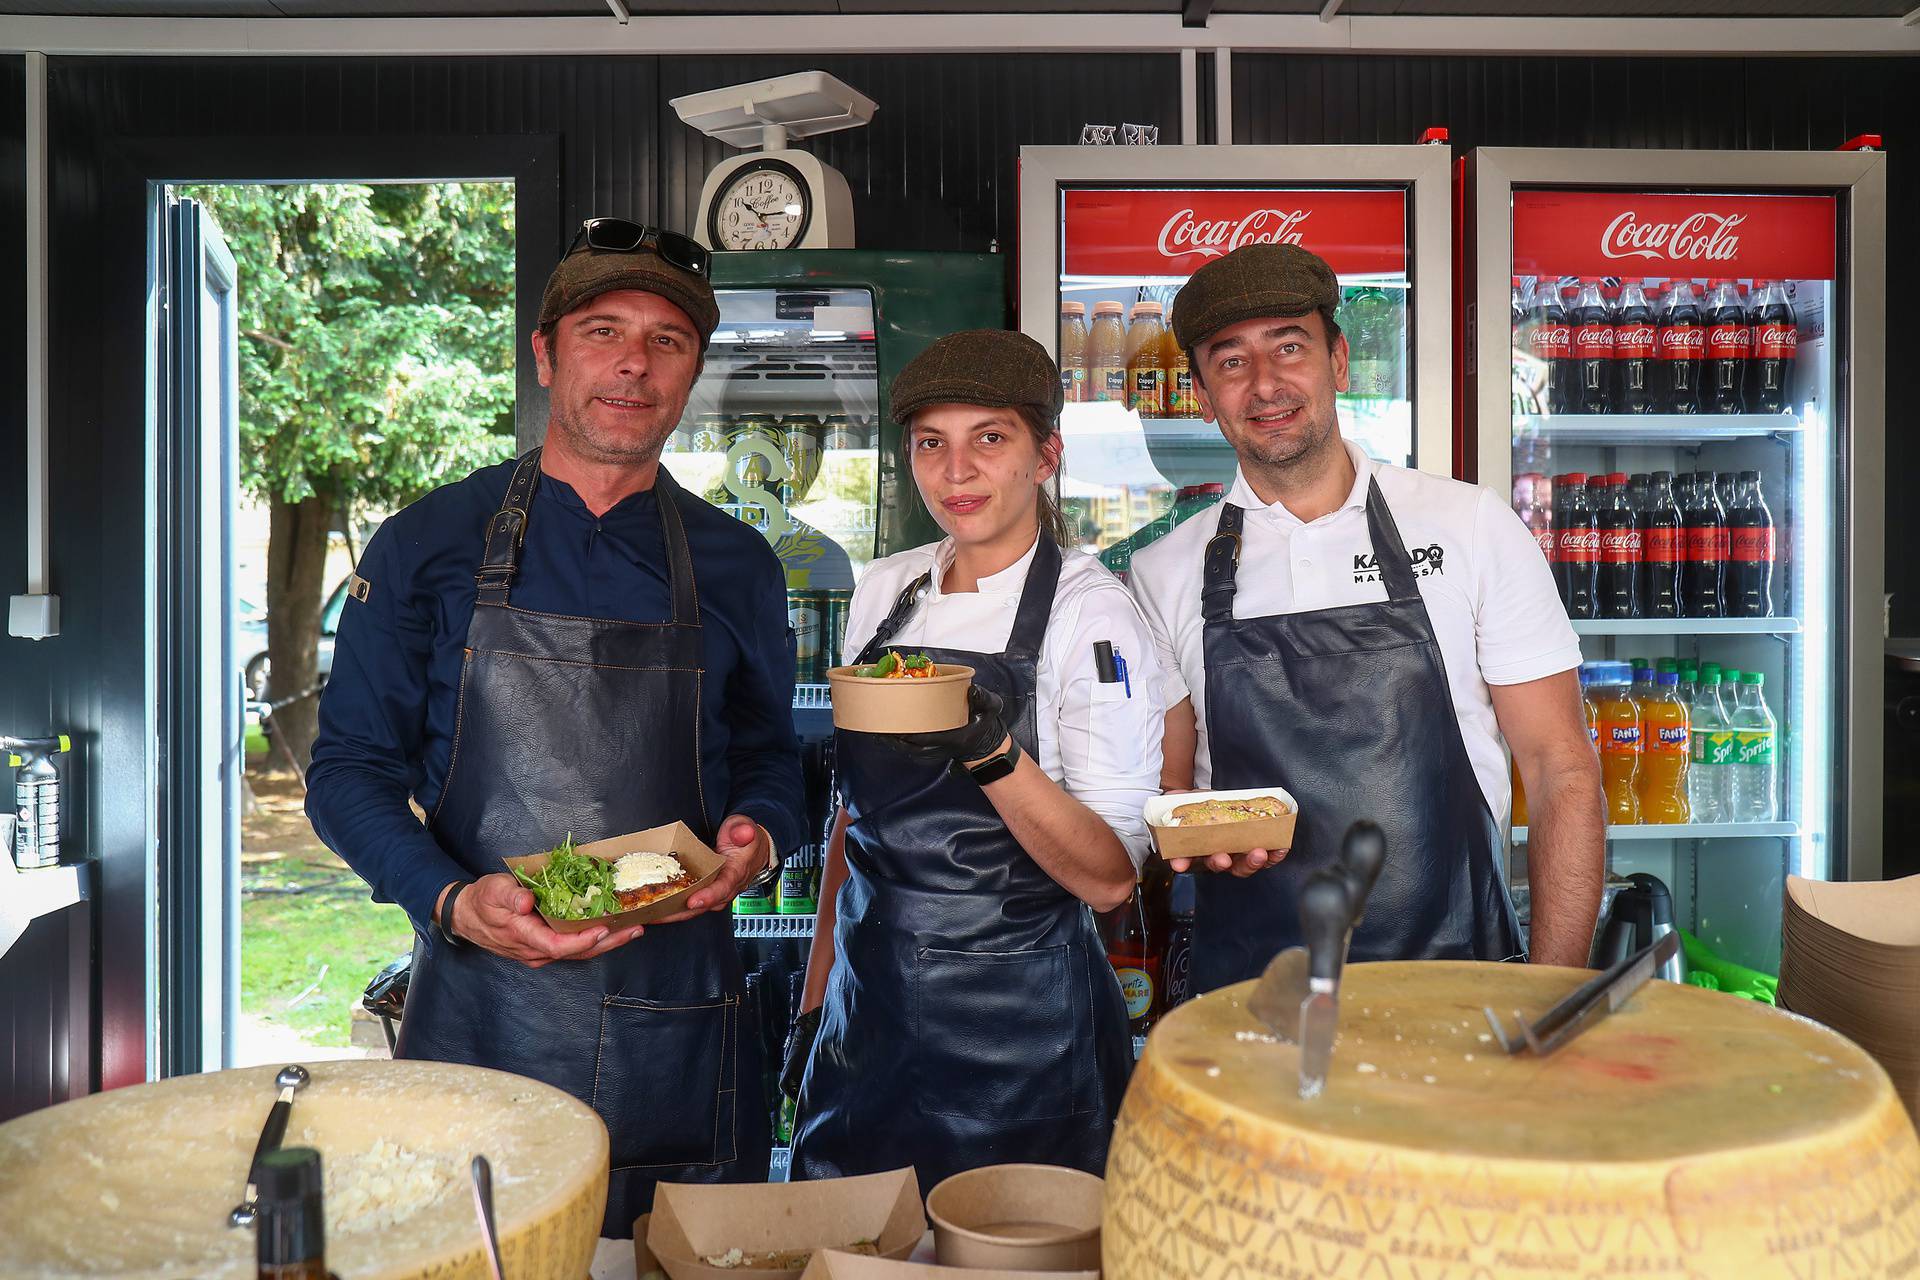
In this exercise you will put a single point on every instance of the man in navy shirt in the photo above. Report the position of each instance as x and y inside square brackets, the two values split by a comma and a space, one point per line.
[570, 643]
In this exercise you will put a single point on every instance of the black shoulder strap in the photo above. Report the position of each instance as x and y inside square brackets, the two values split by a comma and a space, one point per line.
[506, 531]
[686, 592]
[1389, 552]
[1036, 600]
[1221, 565]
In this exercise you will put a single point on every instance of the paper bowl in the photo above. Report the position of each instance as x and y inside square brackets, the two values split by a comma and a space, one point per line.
[676, 838]
[1021, 1217]
[1176, 841]
[866, 705]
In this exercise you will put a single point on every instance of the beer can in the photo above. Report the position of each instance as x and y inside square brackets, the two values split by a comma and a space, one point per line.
[753, 468]
[840, 431]
[709, 434]
[833, 627]
[801, 447]
[870, 431]
[805, 608]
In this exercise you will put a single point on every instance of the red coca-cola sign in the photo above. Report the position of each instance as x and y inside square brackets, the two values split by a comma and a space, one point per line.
[1621, 233]
[1175, 233]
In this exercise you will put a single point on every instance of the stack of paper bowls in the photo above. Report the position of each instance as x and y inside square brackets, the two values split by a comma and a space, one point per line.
[1851, 960]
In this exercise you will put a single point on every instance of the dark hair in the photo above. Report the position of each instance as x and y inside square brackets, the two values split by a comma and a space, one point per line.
[1044, 428]
[1325, 313]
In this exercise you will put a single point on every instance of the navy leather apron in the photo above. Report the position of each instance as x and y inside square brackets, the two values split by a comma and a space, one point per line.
[971, 1017]
[1348, 709]
[580, 725]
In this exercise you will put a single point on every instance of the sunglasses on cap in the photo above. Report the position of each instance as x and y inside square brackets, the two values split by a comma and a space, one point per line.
[617, 235]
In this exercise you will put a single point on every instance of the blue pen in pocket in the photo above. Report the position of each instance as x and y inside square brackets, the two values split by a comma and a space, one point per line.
[1126, 680]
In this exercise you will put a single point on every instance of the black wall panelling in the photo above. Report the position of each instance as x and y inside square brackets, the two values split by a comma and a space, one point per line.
[935, 171]
[1690, 103]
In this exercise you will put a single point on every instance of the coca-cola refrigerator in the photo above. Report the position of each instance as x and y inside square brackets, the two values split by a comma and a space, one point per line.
[1685, 398]
[1108, 234]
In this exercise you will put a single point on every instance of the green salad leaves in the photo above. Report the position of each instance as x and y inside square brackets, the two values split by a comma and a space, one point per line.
[894, 666]
[572, 886]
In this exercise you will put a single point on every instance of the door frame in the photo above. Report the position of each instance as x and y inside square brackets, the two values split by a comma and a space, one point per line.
[150, 1015]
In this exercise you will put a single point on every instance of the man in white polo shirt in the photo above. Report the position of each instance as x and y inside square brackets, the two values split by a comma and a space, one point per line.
[1365, 636]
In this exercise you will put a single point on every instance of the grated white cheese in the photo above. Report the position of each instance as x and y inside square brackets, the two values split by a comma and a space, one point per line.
[641, 870]
[382, 1186]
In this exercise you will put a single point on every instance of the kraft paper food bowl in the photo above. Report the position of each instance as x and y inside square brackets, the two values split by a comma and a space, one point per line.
[1176, 841]
[1022, 1217]
[866, 705]
[676, 838]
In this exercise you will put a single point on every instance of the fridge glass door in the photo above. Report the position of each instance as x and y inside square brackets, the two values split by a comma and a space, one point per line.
[781, 431]
[1140, 454]
[1676, 437]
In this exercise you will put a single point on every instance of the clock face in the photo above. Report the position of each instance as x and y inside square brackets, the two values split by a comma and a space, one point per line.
[764, 205]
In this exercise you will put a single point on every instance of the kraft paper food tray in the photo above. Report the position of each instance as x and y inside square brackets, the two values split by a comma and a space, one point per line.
[694, 1221]
[831, 1264]
[866, 705]
[1227, 837]
[676, 838]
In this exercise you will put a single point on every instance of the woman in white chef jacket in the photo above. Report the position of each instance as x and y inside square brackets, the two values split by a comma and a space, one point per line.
[959, 1007]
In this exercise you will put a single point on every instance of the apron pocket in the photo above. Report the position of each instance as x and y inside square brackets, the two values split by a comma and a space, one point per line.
[994, 1033]
[664, 1080]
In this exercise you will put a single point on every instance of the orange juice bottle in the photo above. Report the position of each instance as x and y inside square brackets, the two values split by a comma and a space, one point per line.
[1146, 370]
[1107, 354]
[1619, 720]
[1073, 351]
[1519, 796]
[1668, 751]
[1181, 400]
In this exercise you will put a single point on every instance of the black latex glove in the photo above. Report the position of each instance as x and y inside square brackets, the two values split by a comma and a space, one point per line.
[806, 1029]
[977, 739]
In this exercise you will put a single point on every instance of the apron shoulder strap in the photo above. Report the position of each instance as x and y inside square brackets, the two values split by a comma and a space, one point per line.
[903, 606]
[1395, 569]
[686, 592]
[1221, 565]
[1036, 600]
[506, 531]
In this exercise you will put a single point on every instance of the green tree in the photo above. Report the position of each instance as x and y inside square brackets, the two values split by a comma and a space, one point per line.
[376, 363]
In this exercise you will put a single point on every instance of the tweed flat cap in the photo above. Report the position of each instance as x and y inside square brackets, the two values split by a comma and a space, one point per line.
[996, 368]
[586, 273]
[1254, 280]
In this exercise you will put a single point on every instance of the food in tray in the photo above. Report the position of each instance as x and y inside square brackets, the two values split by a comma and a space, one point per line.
[1213, 813]
[576, 886]
[894, 665]
[641, 878]
[782, 1259]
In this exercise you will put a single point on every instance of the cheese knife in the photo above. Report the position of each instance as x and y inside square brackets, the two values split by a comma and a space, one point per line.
[1277, 997]
[1326, 915]
[1588, 1003]
[290, 1079]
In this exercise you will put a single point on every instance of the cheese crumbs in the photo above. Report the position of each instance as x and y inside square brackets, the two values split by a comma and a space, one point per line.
[643, 870]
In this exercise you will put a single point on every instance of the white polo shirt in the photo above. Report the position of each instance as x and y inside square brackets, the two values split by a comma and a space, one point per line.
[1487, 588]
[1100, 744]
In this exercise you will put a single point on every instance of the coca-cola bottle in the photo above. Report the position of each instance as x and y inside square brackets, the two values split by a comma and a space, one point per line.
[1682, 341]
[1553, 344]
[1749, 575]
[1776, 339]
[1702, 567]
[1729, 343]
[1619, 547]
[1531, 505]
[1592, 322]
[1577, 546]
[1634, 384]
[1660, 549]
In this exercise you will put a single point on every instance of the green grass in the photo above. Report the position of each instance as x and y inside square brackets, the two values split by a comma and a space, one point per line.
[256, 744]
[287, 937]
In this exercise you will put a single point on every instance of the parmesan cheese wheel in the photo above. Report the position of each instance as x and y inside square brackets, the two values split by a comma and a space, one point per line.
[1689, 1134]
[138, 1181]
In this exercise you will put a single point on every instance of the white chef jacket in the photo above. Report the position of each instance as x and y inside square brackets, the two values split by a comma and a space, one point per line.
[1489, 593]
[1100, 744]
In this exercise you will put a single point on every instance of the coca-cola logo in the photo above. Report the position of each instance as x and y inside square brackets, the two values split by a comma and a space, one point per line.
[1698, 237]
[1775, 341]
[1579, 543]
[1183, 233]
[1634, 340]
[1687, 342]
[1620, 542]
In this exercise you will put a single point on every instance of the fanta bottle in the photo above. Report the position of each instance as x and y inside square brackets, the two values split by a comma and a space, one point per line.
[1618, 716]
[1667, 750]
[1519, 796]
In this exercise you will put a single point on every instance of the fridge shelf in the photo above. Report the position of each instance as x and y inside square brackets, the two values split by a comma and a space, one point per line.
[1692, 831]
[773, 926]
[1657, 428]
[812, 697]
[1687, 627]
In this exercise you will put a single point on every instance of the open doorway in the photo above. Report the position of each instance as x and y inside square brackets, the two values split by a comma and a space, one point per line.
[370, 350]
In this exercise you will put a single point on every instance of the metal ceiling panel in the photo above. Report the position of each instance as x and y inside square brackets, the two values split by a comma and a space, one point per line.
[1609, 8]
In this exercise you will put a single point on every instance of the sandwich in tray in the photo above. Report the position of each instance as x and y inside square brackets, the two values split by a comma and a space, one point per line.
[1196, 824]
[632, 879]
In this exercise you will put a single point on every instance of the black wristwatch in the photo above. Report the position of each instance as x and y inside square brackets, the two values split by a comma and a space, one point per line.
[996, 767]
[772, 872]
